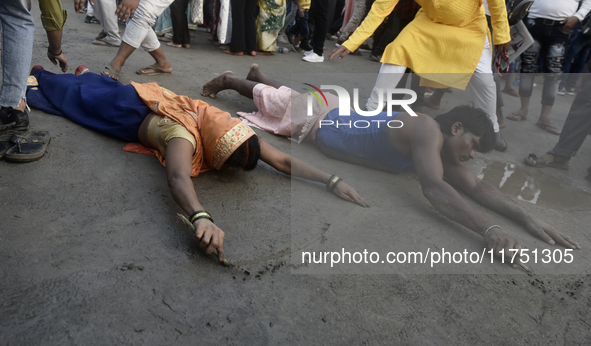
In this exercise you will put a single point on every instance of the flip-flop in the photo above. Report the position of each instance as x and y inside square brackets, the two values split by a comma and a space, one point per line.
[155, 69]
[111, 72]
[101, 35]
[517, 116]
[5, 144]
[27, 146]
[539, 162]
[549, 128]
[227, 51]
[104, 42]
[511, 92]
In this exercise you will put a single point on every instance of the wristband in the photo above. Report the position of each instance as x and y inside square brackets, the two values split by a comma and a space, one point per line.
[50, 52]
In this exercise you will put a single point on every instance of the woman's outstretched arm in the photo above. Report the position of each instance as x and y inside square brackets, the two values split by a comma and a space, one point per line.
[179, 153]
[283, 163]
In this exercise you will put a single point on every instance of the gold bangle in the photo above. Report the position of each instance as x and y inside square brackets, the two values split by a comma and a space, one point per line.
[331, 181]
[199, 214]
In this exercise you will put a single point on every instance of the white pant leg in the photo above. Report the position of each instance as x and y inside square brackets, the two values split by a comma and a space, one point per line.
[139, 30]
[388, 78]
[105, 12]
[483, 86]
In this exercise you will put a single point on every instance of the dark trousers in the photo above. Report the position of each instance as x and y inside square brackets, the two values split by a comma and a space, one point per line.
[577, 54]
[578, 122]
[244, 27]
[319, 14]
[180, 25]
[549, 44]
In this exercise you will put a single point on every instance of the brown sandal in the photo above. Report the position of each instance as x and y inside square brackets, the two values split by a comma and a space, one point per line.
[539, 162]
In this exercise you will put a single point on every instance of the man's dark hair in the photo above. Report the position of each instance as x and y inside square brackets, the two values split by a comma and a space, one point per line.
[246, 156]
[473, 120]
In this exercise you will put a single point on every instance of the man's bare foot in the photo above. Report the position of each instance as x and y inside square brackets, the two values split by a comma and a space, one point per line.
[254, 73]
[502, 124]
[174, 45]
[431, 104]
[214, 86]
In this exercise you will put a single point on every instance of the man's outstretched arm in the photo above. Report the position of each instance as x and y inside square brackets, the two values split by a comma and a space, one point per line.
[446, 200]
[490, 197]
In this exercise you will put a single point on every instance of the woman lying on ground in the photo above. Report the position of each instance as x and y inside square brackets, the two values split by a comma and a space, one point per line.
[188, 136]
[434, 148]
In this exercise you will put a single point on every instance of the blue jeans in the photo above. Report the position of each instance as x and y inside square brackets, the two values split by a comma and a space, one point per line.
[18, 29]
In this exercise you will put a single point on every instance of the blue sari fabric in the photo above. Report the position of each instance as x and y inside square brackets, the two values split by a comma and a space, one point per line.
[93, 101]
[369, 147]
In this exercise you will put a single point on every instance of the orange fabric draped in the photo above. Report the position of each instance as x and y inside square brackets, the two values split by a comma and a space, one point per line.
[217, 134]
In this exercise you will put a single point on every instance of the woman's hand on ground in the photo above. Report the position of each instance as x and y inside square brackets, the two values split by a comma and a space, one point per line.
[505, 245]
[211, 237]
[126, 9]
[342, 51]
[549, 234]
[346, 192]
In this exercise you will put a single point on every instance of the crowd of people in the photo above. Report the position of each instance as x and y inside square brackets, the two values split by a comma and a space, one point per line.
[457, 44]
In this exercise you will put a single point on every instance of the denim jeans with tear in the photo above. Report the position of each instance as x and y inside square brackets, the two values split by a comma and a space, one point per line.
[18, 29]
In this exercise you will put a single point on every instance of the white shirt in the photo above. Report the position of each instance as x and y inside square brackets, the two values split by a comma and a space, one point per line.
[559, 9]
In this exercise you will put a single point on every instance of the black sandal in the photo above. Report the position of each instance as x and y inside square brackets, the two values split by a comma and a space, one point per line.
[27, 147]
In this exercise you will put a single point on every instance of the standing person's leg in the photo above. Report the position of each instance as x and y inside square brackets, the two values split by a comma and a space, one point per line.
[138, 33]
[180, 25]
[529, 66]
[388, 78]
[291, 11]
[484, 90]
[105, 11]
[319, 9]
[238, 43]
[578, 122]
[250, 26]
[355, 20]
[578, 65]
[555, 46]
[575, 130]
[18, 28]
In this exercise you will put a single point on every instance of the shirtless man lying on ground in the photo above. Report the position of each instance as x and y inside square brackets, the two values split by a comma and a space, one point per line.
[434, 148]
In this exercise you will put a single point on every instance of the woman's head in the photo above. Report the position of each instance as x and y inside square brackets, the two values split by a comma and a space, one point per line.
[246, 155]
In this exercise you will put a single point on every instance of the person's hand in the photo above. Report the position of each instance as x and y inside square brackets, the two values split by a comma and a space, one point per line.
[342, 51]
[498, 240]
[126, 9]
[346, 192]
[79, 5]
[60, 58]
[502, 48]
[301, 14]
[549, 234]
[210, 237]
[569, 23]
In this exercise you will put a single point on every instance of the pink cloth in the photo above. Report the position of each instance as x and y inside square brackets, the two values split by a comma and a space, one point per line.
[277, 115]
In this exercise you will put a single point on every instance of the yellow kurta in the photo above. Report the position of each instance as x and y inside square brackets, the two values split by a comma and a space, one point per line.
[446, 37]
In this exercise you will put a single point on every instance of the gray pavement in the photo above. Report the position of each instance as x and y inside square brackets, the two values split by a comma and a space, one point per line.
[92, 251]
